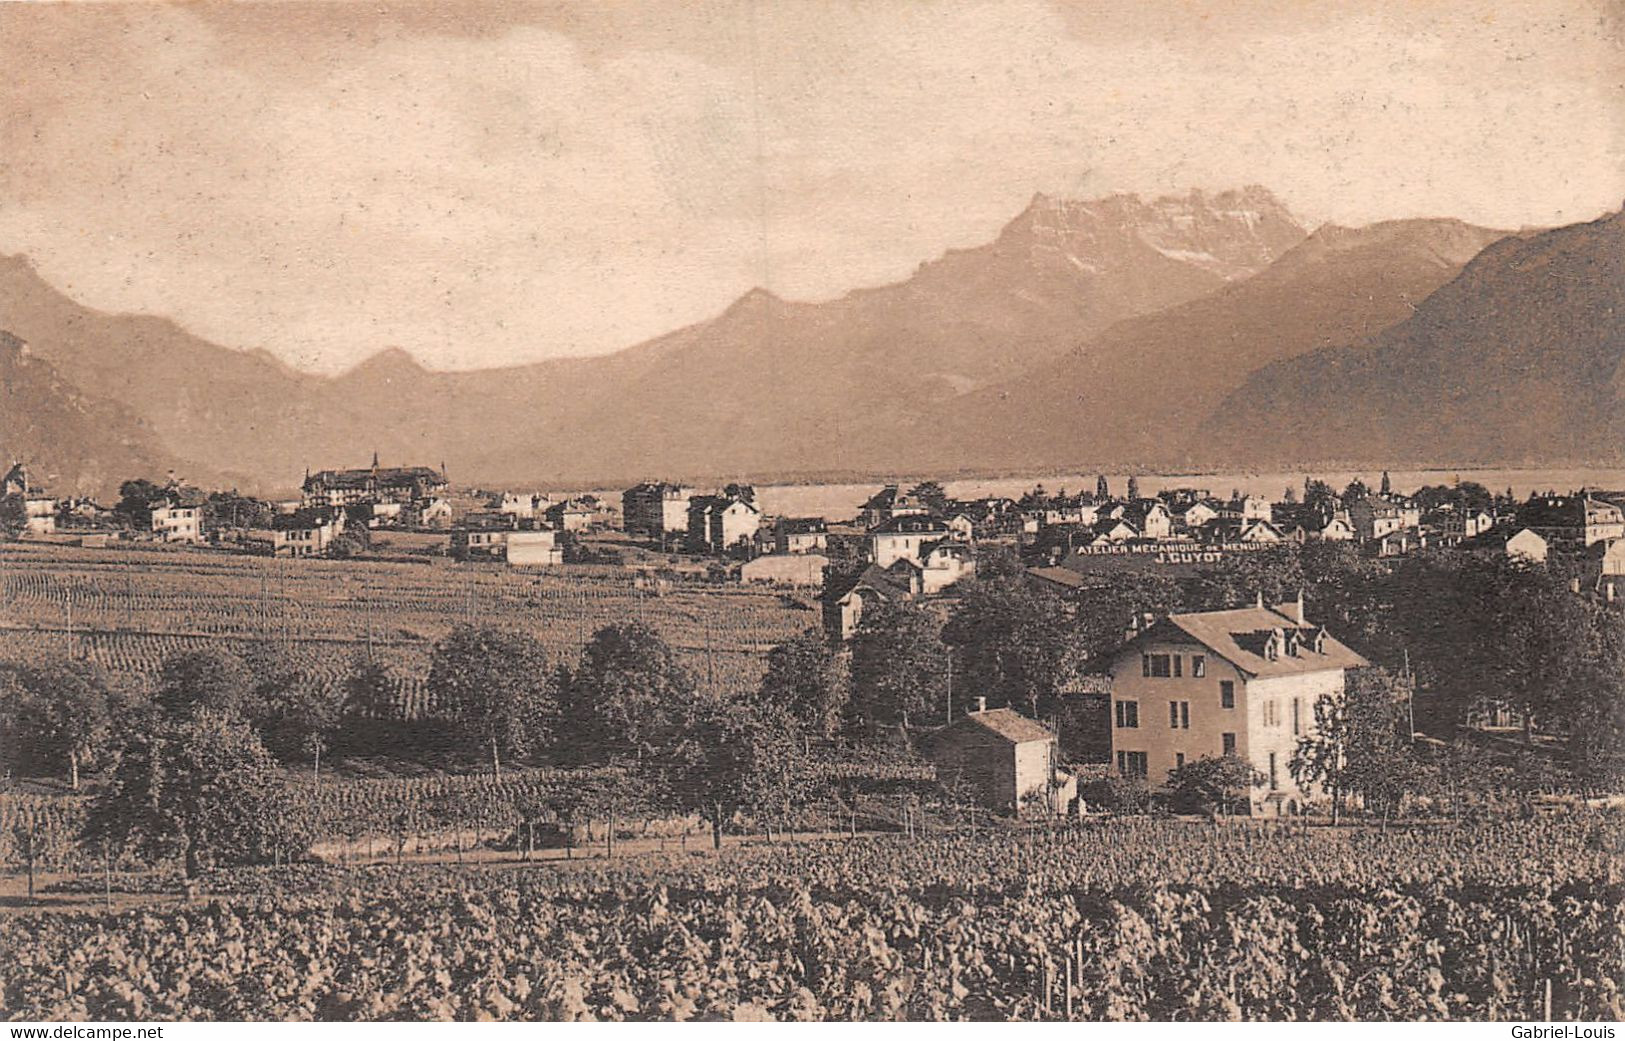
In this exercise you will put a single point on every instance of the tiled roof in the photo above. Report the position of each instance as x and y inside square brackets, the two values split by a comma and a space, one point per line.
[1060, 576]
[1007, 723]
[387, 475]
[874, 578]
[912, 524]
[1238, 637]
[882, 499]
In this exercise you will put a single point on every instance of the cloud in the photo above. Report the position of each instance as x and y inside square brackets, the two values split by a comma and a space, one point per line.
[336, 181]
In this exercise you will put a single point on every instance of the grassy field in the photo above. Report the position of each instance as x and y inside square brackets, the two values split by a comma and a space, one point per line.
[127, 609]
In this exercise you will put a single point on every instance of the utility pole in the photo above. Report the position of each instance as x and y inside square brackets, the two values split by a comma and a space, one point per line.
[1410, 699]
[710, 660]
[948, 694]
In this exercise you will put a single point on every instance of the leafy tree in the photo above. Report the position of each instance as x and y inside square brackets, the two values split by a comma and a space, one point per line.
[58, 710]
[732, 758]
[231, 510]
[354, 542]
[1009, 641]
[204, 680]
[136, 499]
[13, 515]
[1537, 637]
[806, 678]
[1289, 495]
[1478, 626]
[1103, 490]
[1102, 614]
[1355, 747]
[1355, 491]
[1212, 781]
[1596, 742]
[494, 686]
[1239, 578]
[369, 693]
[1133, 487]
[297, 716]
[899, 666]
[1319, 496]
[996, 561]
[628, 695]
[203, 787]
[931, 495]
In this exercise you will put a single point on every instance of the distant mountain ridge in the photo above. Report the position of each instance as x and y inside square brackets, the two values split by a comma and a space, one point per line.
[1138, 391]
[1201, 331]
[768, 385]
[72, 443]
[1519, 358]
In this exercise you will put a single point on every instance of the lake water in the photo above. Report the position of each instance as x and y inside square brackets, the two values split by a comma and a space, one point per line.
[842, 501]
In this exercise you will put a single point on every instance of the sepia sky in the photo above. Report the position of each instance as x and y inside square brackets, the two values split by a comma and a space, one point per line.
[492, 183]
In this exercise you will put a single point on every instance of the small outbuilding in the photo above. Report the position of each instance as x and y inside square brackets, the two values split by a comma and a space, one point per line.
[1008, 760]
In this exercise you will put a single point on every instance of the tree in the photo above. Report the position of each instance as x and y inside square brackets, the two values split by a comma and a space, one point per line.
[136, 499]
[200, 680]
[805, 678]
[1358, 746]
[13, 515]
[1534, 637]
[297, 714]
[1133, 487]
[58, 710]
[1103, 614]
[1596, 741]
[1211, 781]
[370, 693]
[1009, 640]
[996, 561]
[1387, 485]
[1355, 491]
[1275, 573]
[1103, 490]
[203, 787]
[732, 758]
[1319, 496]
[628, 695]
[899, 666]
[354, 542]
[931, 495]
[230, 510]
[493, 686]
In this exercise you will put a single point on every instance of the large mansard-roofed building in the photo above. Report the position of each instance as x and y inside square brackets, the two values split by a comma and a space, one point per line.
[372, 484]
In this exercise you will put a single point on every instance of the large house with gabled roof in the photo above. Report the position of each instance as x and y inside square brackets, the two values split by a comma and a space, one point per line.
[1239, 682]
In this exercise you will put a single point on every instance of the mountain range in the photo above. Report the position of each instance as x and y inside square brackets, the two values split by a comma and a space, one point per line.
[1136, 393]
[1519, 359]
[72, 443]
[1113, 332]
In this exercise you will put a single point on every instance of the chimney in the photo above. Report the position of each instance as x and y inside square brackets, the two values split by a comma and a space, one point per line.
[981, 704]
[1297, 613]
[1260, 600]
